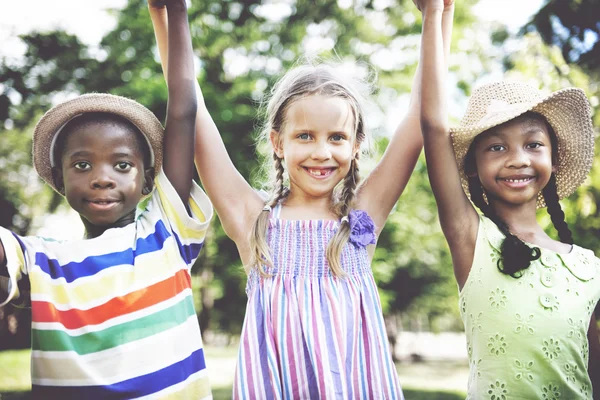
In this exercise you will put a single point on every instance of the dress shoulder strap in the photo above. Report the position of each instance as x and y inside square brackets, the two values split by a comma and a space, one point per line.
[276, 212]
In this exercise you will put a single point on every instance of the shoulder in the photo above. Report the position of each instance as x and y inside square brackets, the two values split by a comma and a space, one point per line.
[165, 201]
[582, 262]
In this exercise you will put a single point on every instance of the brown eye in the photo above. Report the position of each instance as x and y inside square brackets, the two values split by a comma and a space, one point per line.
[123, 166]
[82, 165]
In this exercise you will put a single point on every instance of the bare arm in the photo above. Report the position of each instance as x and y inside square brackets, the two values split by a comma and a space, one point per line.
[458, 218]
[385, 184]
[178, 153]
[237, 204]
[594, 365]
[3, 274]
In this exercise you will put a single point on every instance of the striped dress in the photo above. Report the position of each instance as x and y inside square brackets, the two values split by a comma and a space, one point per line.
[308, 334]
[113, 317]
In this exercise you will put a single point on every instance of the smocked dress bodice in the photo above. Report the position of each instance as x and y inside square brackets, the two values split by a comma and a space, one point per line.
[308, 334]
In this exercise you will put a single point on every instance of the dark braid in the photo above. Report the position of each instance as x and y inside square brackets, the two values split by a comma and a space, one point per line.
[550, 193]
[516, 256]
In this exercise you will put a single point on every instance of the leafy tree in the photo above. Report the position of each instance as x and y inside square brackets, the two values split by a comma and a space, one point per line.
[573, 26]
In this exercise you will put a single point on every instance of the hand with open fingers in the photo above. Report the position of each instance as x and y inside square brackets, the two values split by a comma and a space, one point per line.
[165, 3]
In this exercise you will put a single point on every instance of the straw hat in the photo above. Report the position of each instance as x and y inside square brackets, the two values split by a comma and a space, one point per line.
[567, 111]
[49, 126]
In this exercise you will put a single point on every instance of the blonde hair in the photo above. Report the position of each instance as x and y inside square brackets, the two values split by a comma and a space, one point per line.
[302, 81]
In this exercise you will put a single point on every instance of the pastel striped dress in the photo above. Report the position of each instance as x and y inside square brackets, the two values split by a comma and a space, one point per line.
[308, 334]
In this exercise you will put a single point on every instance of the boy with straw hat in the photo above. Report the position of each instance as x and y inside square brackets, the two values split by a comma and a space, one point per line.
[526, 299]
[113, 314]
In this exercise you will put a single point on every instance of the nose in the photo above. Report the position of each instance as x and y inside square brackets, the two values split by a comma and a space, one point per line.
[102, 179]
[518, 158]
[321, 151]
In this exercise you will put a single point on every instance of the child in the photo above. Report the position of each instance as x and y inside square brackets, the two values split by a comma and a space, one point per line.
[313, 325]
[526, 300]
[113, 314]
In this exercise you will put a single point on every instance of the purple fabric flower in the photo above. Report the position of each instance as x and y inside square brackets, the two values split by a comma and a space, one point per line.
[362, 228]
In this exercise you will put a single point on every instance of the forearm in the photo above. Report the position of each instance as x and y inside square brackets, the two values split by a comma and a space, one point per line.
[160, 24]
[180, 64]
[433, 96]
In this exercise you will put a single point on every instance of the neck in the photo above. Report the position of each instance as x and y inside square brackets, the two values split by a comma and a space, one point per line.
[93, 231]
[323, 203]
[520, 219]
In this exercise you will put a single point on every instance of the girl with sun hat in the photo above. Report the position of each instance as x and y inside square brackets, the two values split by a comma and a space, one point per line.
[527, 301]
[113, 313]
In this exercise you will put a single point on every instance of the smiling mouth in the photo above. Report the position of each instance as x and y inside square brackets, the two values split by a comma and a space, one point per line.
[517, 182]
[319, 172]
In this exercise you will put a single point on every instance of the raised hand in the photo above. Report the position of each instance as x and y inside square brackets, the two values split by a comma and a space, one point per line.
[424, 5]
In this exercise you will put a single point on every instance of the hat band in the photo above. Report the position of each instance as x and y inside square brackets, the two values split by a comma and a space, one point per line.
[499, 110]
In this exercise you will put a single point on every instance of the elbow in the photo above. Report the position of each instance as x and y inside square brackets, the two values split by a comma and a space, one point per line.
[433, 126]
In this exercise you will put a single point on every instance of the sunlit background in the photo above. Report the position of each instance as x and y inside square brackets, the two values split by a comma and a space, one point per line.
[54, 50]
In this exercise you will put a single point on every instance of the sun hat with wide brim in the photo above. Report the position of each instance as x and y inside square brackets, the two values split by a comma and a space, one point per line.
[567, 111]
[49, 126]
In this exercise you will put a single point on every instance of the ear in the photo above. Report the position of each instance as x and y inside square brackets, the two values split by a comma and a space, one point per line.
[554, 168]
[148, 181]
[471, 174]
[276, 143]
[58, 180]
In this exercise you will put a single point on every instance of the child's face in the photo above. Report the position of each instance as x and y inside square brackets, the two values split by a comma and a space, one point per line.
[316, 144]
[102, 174]
[514, 161]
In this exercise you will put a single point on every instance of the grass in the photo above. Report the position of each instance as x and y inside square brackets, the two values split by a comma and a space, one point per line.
[416, 379]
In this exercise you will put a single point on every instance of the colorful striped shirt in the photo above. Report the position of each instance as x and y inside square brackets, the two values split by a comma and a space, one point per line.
[113, 317]
[308, 334]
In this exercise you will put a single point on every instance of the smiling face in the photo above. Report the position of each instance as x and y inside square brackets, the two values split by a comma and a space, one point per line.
[514, 161]
[101, 173]
[317, 144]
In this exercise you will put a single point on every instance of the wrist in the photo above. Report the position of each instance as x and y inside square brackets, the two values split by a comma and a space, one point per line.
[177, 5]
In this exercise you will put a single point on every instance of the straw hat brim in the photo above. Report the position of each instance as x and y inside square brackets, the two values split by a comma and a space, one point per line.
[50, 125]
[569, 113]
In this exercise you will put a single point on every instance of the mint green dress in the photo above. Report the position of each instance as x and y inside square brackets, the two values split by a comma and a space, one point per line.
[527, 337]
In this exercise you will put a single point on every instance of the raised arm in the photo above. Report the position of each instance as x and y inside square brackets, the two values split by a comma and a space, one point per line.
[458, 218]
[235, 201]
[3, 274]
[594, 356]
[382, 188]
[178, 145]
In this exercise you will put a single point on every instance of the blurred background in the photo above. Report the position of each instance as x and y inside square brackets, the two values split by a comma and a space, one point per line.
[52, 51]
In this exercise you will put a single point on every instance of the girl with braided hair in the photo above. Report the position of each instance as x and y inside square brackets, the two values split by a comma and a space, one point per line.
[314, 326]
[527, 301]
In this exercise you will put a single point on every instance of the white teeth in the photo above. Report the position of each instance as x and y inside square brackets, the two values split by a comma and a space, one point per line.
[517, 180]
[315, 172]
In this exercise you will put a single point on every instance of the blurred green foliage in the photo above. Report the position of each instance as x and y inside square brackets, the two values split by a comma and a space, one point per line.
[242, 47]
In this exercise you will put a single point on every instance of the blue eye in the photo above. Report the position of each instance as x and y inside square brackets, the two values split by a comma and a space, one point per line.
[82, 165]
[338, 137]
[304, 136]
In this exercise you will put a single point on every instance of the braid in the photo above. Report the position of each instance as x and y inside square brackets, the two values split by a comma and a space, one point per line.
[516, 256]
[340, 239]
[348, 189]
[259, 248]
[556, 213]
[280, 190]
